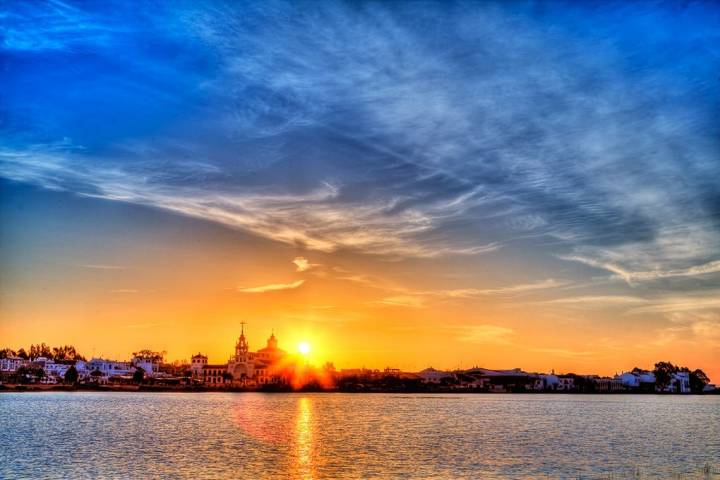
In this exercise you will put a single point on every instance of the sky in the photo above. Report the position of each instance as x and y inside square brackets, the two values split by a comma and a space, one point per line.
[403, 184]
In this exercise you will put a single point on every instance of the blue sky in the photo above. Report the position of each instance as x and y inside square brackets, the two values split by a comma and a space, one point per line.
[581, 135]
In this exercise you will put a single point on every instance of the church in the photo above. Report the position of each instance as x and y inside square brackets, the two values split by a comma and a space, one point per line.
[244, 368]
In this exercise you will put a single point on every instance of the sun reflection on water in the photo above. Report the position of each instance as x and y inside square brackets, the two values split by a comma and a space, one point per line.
[304, 466]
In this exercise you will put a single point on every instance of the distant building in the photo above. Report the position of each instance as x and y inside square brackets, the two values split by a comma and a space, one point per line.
[106, 369]
[197, 363]
[215, 374]
[265, 366]
[430, 375]
[11, 364]
[150, 366]
[56, 370]
[547, 381]
[566, 383]
[679, 383]
[638, 380]
[607, 385]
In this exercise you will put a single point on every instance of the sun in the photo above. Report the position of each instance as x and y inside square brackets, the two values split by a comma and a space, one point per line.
[304, 348]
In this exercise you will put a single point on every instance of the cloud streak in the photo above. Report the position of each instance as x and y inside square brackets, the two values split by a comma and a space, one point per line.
[102, 267]
[633, 276]
[509, 290]
[273, 287]
[485, 334]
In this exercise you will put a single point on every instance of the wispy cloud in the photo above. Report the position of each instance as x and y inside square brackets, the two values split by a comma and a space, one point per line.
[102, 267]
[562, 352]
[411, 301]
[597, 301]
[273, 287]
[483, 334]
[506, 290]
[681, 304]
[639, 276]
[125, 290]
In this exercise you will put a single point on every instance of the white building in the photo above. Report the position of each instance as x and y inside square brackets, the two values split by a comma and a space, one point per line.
[547, 381]
[566, 383]
[430, 375]
[632, 380]
[55, 370]
[150, 367]
[679, 383]
[108, 368]
[11, 364]
[197, 363]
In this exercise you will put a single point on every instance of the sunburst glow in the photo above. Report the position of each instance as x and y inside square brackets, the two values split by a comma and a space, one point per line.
[304, 348]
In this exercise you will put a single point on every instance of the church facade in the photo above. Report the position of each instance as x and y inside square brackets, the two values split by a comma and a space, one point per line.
[244, 368]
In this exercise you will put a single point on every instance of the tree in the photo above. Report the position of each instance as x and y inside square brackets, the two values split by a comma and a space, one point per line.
[40, 350]
[227, 376]
[22, 354]
[663, 374]
[71, 376]
[21, 374]
[7, 352]
[150, 356]
[66, 352]
[139, 375]
[698, 380]
[32, 373]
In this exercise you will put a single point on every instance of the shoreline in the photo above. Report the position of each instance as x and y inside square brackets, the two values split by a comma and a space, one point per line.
[8, 388]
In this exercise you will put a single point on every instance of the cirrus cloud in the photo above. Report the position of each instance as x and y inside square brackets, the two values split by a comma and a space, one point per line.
[272, 287]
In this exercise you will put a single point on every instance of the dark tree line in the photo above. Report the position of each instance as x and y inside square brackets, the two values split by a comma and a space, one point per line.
[59, 354]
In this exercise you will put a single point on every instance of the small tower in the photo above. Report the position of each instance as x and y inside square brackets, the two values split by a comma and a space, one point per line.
[198, 363]
[272, 342]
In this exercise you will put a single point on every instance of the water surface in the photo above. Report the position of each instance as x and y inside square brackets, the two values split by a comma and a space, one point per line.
[254, 435]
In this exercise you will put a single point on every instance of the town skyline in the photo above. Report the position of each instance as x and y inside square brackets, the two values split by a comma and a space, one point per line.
[304, 352]
[272, 368]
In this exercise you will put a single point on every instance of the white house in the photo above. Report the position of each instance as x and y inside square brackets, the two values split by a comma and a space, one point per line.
[53, 369]
[108, 368]
[631, 380]
[547, 382]
[679, 383]
[149, 367]
[11, 364]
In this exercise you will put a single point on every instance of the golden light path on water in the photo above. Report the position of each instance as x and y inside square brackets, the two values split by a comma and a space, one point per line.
[259, 420]
[305, 467]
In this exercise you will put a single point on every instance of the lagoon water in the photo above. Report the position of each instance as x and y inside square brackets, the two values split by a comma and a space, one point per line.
[254, 435]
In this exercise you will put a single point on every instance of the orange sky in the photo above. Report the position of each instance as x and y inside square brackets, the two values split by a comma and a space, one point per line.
[184, 286]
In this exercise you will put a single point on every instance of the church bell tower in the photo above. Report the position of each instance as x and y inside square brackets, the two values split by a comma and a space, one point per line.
[241, 347]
